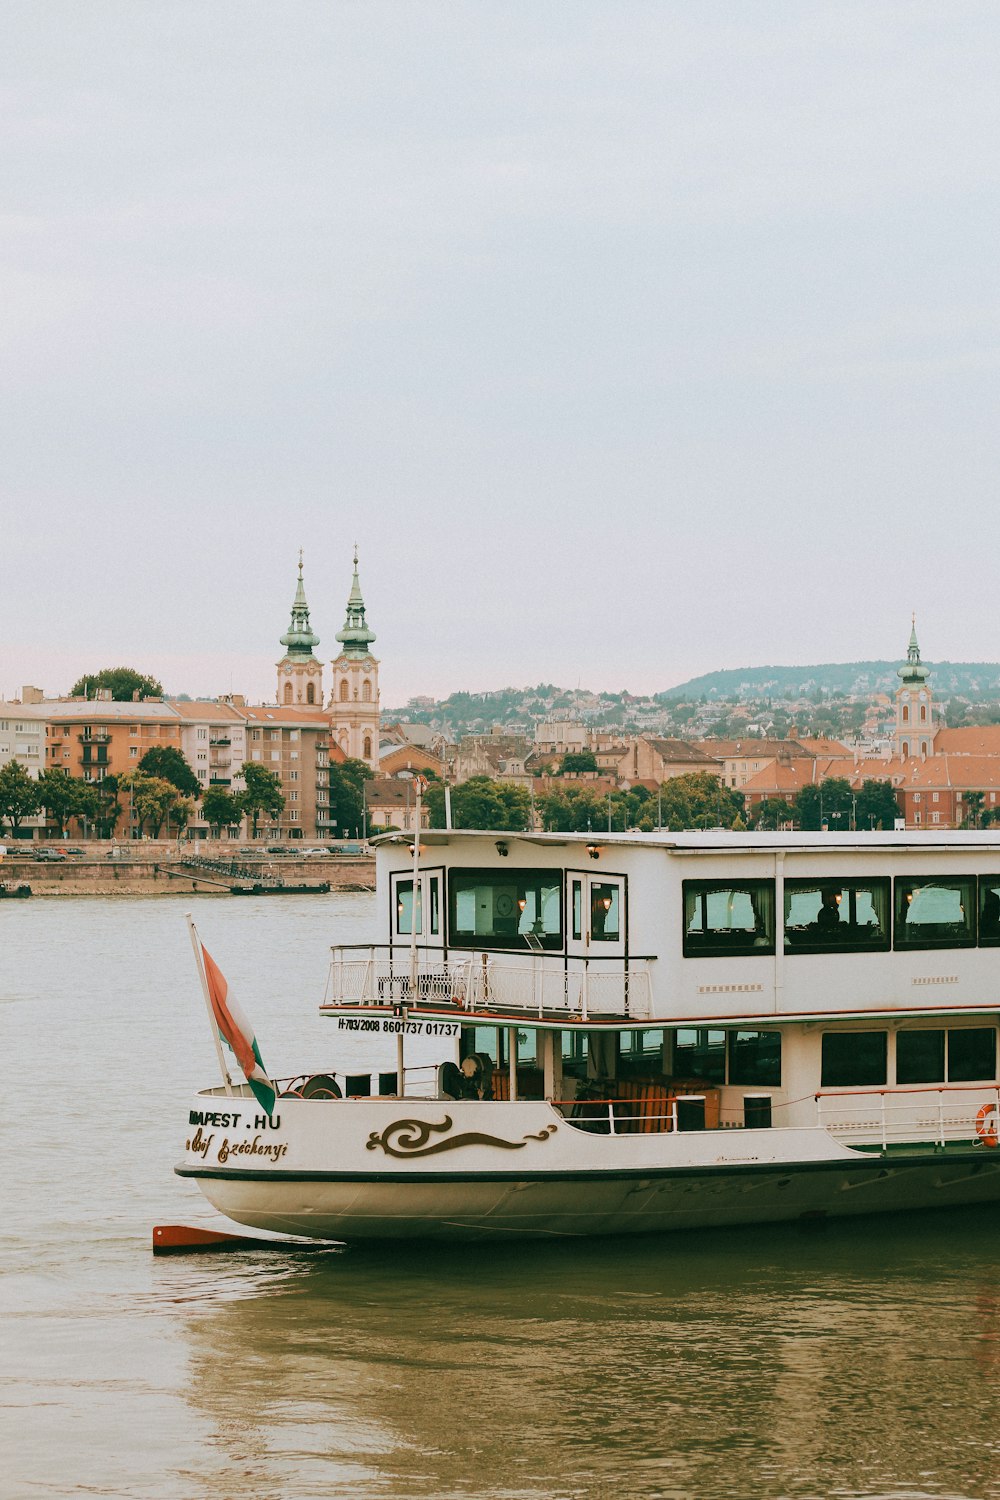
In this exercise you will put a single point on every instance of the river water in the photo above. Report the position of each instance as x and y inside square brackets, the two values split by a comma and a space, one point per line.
[847, 1361]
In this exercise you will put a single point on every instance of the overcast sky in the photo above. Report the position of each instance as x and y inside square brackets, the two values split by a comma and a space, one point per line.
[629, 340]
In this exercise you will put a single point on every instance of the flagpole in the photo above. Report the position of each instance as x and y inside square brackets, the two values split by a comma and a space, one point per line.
[196, 945]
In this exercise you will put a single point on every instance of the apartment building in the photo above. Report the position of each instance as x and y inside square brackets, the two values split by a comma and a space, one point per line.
[294, 743]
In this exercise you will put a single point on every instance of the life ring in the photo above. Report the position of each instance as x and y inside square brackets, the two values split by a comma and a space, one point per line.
[988, 1125]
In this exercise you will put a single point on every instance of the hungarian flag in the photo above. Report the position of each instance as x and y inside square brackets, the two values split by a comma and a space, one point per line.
[237, 1033]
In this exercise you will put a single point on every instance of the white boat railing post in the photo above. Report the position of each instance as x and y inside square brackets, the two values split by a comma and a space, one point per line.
[885, 1141]
[415, 902]
[584, 990]
[611, 1118]
[400, 1075]
[940, 1117]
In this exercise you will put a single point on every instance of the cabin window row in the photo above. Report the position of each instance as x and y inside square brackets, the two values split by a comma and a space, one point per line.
[860, 1059]
[741, 1056]
[841, 916]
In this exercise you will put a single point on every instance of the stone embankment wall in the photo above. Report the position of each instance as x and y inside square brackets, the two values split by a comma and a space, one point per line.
[145, 870]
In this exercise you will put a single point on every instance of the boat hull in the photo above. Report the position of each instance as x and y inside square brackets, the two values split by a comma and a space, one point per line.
[378, 1170]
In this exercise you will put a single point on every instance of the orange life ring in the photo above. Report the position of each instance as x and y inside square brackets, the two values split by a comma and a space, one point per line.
[988, 1125]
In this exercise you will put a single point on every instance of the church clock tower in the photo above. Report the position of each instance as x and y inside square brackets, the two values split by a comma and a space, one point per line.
[914, 704]
[354, 703]
[300, 673]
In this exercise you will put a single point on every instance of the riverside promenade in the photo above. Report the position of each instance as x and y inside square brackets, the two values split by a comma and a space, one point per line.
[159, 868]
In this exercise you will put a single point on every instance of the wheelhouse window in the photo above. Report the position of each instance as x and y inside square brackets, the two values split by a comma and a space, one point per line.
[734, 918]
[836, 916]
[854, 1059]
[605, 913]
[935, 911]
[404, 908]
[489, 909]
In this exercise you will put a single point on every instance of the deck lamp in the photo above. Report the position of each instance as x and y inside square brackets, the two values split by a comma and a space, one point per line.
[501, 848]
[593, 851]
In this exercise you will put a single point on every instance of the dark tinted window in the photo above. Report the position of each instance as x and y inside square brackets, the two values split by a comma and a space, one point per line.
[730, 918]
[920, 1057]
[989, 911]
[700, 1052]
[755, 1057]
[854, 1059]
[972, 1054]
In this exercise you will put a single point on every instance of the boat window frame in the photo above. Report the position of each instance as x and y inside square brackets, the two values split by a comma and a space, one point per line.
[949, 1074]
[853, 1036]
[404, 877]
[813, 940]
[752, 947]
[988, 926]
[729, 1034]
[463, 941]
[902, 884]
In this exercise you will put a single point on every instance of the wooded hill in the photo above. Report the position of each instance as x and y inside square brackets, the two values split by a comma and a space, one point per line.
[977, 679]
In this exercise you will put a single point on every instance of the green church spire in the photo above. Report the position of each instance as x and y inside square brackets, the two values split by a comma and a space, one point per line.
[355, 637]
[913, 670]
[299, 638]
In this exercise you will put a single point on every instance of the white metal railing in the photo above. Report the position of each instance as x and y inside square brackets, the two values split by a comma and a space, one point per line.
[616, 1117]
[420, 1082]
[543, 985]
[883, 1116]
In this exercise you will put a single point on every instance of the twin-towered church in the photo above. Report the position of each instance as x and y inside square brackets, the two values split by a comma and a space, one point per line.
[353, 706]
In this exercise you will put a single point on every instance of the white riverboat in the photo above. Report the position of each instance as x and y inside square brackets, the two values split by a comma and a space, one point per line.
[640, 1032]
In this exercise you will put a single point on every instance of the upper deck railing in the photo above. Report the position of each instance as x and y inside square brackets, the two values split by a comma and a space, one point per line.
[492, 982]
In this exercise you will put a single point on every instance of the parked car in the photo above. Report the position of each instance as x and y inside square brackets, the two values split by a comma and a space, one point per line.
[49, 855]
[280, 849]
[308, 853]
[70, 850]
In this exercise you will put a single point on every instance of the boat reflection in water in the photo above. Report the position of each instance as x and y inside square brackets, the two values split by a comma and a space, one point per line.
[763, 1362]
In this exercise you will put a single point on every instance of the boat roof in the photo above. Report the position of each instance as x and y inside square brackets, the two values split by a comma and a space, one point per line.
[717, 840]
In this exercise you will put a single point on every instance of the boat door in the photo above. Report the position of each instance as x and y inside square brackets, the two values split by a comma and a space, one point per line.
[427, 910]
[595, 915]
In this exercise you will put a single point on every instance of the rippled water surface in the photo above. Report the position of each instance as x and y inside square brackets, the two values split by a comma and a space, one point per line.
[858, 1360]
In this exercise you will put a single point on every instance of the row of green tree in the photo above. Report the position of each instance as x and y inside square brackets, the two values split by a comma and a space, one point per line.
[160, 794]
[697, 800]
